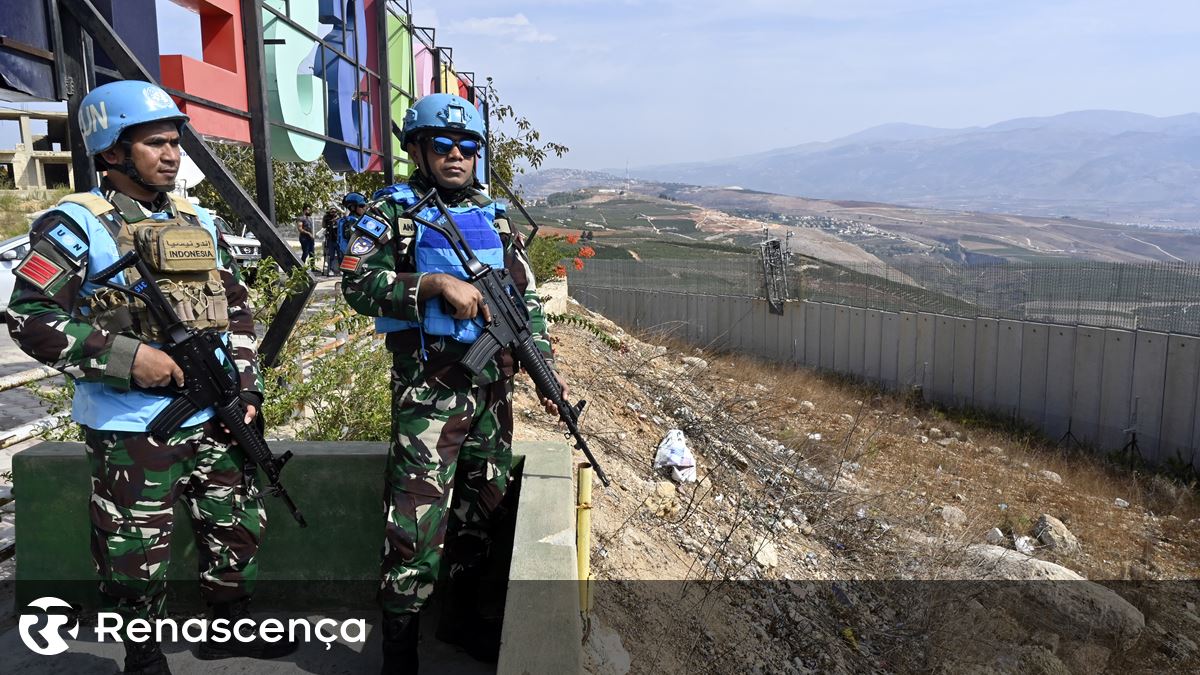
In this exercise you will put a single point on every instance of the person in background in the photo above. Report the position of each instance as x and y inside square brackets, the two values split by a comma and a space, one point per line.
[329, 236]
[356, 205]
[304, 226]
[107, 342]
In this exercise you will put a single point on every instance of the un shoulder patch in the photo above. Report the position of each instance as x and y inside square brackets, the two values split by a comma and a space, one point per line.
[361, 245]
[67, 242]
[372, 226]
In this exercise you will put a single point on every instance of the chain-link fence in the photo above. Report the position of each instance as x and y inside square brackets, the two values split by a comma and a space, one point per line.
[1151, 296]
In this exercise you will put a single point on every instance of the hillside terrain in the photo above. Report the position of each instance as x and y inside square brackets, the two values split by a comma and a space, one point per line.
[896, 233]
[1098, 164]
[836, 528]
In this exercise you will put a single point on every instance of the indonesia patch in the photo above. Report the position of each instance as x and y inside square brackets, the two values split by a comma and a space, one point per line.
[361, 245]
[350, 263]
[39, 270]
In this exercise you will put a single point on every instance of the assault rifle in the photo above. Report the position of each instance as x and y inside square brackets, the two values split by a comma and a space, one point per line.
[509, 327]
[206, 381]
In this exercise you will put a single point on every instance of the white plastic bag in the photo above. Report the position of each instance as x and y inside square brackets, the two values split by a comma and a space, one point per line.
[674, 454]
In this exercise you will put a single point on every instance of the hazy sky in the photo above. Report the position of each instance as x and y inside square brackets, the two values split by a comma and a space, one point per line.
[660, 81]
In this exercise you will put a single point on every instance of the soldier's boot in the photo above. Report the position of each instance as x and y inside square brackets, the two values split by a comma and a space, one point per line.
[400, 633]
[257, 648]
[466, 623]
[145, 658]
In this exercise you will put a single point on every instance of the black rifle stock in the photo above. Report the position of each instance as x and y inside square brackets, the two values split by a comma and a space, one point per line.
[207, 381]
[509, 326]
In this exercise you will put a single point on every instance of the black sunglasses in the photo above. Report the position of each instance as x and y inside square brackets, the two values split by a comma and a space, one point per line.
[443, 146]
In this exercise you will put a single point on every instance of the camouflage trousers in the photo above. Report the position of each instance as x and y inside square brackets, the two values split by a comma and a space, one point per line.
[136, 482]
[447, 474]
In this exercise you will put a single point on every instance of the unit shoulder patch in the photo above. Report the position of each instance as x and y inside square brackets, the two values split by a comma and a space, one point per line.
[361, 245]
[350, 263]
[39, 269]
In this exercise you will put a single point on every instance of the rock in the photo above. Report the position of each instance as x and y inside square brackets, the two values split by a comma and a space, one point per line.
[634, 406]
[946, 442]
[848, 419]
[1024, 544]
[995, 450]
[739, 460]
[1081, 611]
[603, 652]
[766, 554]
[1120, 503]
[936, 433]
[752, 404]
[960, 437]
[695, 362]
[1085, 656]
[995, 537]
[806, 407]
[916, 423]
[1054, 535]
[954, 516]
[664, 489]
[814, 437]
[1050, 476]
[922, 439]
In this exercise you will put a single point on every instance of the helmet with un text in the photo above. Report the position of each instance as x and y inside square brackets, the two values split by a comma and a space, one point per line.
[444, 111]
[110, 109]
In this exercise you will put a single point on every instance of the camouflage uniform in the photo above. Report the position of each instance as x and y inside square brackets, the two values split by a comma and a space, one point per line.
[451, 446]
[137, 480]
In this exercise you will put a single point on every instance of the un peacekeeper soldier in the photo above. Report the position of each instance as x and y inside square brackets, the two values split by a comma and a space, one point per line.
[106, 344]
[356, 204]
[451, 446]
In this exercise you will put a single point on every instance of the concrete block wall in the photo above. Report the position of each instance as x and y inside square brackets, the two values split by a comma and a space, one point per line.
[1096, 383]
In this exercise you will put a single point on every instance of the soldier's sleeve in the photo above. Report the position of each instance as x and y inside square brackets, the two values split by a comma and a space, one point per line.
[242, 338]
[520, 267]
[371, 283]
[39, 318]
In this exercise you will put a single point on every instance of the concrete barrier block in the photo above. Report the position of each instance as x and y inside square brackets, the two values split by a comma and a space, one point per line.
[1060, 378]
[1149, 378]
[1116, 388]
[987, 344]
[909, 372]
[1089, 372]
[796, 332]
[841, 339]
[889, 349]
[926, 325]
[944, 333]
[828, 335]
[856, 341]
[964, 361]
[1180, 397]
[872, 345]
[812, 334]
[1008, 367]
[1035, 344]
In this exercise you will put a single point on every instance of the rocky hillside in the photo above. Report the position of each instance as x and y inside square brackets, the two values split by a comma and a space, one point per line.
[834, 528]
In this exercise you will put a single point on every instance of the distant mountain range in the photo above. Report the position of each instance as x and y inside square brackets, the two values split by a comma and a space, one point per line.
[1100, 164]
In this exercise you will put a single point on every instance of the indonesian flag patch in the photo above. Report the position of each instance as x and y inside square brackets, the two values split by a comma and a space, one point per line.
[350, 263]
[39, 270]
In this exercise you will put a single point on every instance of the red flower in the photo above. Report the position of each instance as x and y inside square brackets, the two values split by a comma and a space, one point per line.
[560, 270]
[578, 264]
[587, 252]
[572, 239]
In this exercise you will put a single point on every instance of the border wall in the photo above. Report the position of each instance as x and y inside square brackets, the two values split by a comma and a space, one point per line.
[1100, 384]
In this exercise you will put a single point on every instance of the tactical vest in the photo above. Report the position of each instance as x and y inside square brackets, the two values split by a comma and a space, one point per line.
[191, 272]
[432, 253]
[175, 245]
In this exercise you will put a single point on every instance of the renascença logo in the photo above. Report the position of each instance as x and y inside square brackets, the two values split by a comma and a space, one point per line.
[51, 633]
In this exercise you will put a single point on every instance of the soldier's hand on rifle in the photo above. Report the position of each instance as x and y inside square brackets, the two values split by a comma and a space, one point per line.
[548, 404]
[464, 300]
[251, 413]
[154, 368]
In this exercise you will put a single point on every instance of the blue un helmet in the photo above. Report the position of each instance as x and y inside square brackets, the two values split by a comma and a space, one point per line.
[353, 199]
[444, 111]
[108, 110]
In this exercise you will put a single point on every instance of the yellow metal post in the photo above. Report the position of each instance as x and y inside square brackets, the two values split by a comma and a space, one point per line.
[583, 535]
